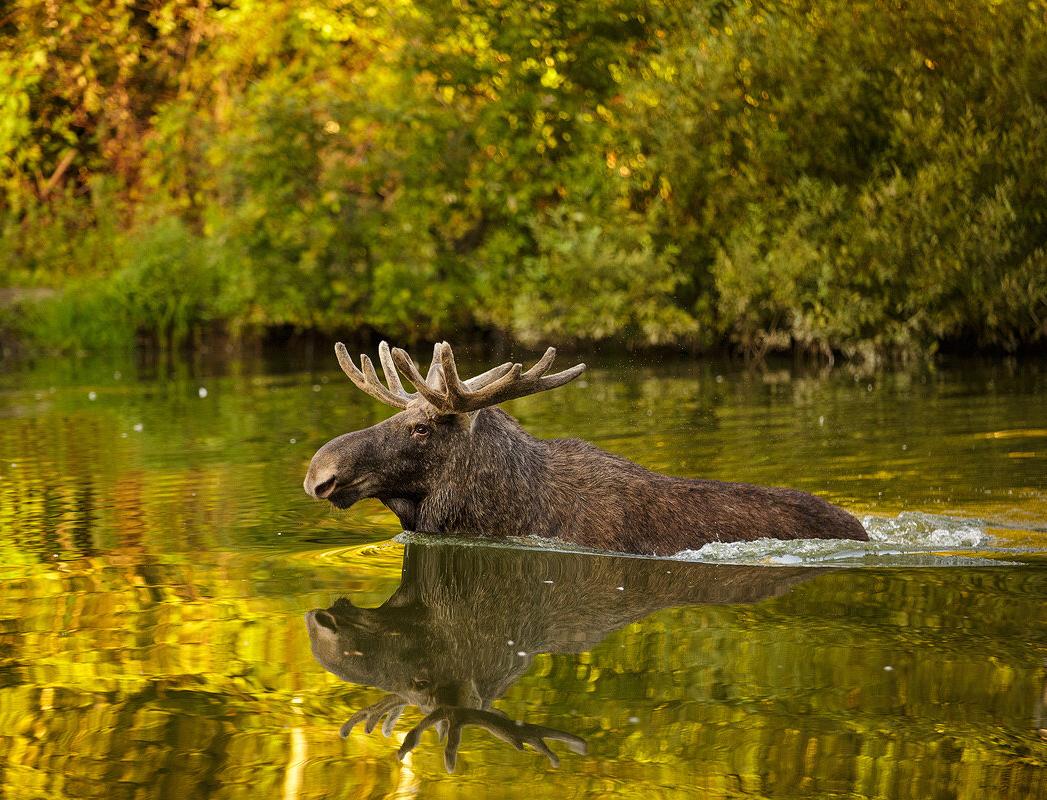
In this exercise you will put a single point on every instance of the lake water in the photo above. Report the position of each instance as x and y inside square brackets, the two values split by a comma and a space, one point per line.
[159, 563]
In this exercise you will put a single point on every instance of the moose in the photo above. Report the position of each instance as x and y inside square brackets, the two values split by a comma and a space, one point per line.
[452, 463]
[466, 623]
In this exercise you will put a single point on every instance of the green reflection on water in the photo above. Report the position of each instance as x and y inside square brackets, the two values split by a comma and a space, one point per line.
[157, 555]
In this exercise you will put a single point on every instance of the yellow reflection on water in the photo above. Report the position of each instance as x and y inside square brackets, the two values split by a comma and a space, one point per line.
[153, 586]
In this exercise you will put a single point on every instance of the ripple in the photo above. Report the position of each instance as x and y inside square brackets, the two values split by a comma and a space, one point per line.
[388, 553]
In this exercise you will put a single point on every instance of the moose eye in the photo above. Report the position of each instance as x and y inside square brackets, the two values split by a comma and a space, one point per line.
[421, 431]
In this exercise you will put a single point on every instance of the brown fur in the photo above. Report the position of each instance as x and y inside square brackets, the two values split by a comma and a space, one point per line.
[480, 473]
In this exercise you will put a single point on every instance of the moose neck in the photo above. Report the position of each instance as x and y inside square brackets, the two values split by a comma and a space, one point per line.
[500, 479]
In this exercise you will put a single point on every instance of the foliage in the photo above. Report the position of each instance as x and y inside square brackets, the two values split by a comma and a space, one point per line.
[855, 177]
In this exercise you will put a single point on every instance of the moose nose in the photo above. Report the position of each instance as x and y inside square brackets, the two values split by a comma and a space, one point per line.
[326, 488]
[321, 489]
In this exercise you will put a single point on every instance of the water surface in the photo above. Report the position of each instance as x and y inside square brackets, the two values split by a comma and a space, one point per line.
[158, 559]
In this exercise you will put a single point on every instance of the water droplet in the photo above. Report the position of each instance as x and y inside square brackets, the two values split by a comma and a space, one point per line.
[521, 653]
[92, 395]
[316, 387]
[888, 668]
[821, 421]
[511, 642]
[292, 440]
[138, 427]
[621, 588]
[634, 720]
[546, 581]
[202, 392]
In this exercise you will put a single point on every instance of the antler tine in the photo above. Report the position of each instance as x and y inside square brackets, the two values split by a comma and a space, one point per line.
[542, 365]
[560, 378]
[484, 378]
[434, 377]
[456, 391]
[406, 366]
[366, 380]
[389, 368]
[382, 393]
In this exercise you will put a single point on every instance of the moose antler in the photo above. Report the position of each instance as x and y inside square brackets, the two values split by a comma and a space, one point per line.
[366, 380]
[505, 382]
[442, 386]
[454, 718]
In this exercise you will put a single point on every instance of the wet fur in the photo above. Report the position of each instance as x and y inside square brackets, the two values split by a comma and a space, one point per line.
[483, 474]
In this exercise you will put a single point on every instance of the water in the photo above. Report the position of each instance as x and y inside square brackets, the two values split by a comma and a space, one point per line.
[158, 558]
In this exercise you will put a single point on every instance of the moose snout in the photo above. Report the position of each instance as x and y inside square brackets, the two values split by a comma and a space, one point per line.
[339, 472]
[321, 481]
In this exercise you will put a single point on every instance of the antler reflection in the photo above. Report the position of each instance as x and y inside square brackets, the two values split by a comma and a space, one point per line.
[391, 705]
[451, 720]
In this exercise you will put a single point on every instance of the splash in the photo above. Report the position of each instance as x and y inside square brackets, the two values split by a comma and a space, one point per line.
[910, 539]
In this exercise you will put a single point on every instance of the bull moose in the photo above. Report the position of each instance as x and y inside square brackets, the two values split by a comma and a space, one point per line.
[466, 623]
[450, 462]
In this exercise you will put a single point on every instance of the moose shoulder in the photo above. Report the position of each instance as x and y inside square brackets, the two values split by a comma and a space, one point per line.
[450, 462]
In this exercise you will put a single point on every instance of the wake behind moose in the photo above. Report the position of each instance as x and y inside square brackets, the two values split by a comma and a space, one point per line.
[450, 462]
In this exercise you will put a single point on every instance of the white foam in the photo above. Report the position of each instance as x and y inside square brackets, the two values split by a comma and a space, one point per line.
[919, 529]
[910, 538]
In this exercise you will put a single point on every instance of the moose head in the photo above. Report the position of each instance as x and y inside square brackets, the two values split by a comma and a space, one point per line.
[438, 442]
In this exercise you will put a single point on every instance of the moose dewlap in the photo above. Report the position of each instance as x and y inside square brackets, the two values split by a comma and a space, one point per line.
[450, 462]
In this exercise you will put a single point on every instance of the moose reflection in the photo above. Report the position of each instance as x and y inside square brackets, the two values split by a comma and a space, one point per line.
[466, 622]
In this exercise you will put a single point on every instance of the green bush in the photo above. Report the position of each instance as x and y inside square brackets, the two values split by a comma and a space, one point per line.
[835, 177]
